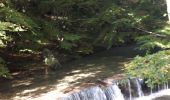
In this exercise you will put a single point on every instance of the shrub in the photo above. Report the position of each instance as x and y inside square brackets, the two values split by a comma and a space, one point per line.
[154, 68]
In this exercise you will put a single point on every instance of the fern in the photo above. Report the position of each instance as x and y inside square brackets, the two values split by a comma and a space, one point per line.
[71, 37]
[11, 15]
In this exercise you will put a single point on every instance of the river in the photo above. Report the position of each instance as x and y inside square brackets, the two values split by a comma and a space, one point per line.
[74, 76]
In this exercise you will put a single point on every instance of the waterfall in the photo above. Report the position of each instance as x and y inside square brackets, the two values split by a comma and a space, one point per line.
[167, 85]
[74, 96]
[129, 88]
[158, 87]
[163, 87]
[158, 94]
[93, 93]
[114, 93]
[139, 88]
[151, 91]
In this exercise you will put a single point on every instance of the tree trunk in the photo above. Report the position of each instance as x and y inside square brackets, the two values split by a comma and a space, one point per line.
[168, 9]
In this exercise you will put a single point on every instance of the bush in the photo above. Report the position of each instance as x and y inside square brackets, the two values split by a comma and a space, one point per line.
[154, 68]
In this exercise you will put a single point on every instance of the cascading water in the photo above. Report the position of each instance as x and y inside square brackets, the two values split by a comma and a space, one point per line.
[159, 94]
[114, 92]
[93, 93]
[167, 85]
[129, 88]
[139, 88]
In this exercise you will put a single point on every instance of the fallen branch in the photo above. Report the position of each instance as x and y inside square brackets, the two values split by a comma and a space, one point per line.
[152, 33]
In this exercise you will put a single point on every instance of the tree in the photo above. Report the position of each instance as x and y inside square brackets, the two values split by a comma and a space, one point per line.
[168, 8]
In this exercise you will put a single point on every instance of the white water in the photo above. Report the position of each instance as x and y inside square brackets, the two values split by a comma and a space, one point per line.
[93, 93]
[139, 88]
[114, 93]
[161, 93]
[129, 88]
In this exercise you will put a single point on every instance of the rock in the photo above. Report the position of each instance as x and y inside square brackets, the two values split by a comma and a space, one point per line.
[102, 83]
[166, 97]
[50, 60]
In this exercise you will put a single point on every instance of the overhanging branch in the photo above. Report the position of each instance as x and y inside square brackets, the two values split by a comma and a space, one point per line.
[152, 33]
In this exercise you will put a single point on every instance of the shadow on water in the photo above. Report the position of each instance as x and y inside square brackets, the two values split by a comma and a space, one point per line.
[74, 75]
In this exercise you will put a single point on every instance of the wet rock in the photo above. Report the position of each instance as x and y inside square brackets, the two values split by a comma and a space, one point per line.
[102, 83]
[166, 97]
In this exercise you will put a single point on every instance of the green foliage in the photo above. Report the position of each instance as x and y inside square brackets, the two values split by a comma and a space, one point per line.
[69, 41]
[10, 27]
[4, 39]
[154, 68]
[13, 22]
[7, 26]
[102, 21]
[150, 43]
[164, 30]
[3, 70]
[11, 15]
[71, 37]
[157, 39]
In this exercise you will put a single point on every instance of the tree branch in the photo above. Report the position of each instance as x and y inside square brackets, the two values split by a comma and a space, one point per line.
[152, 33]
